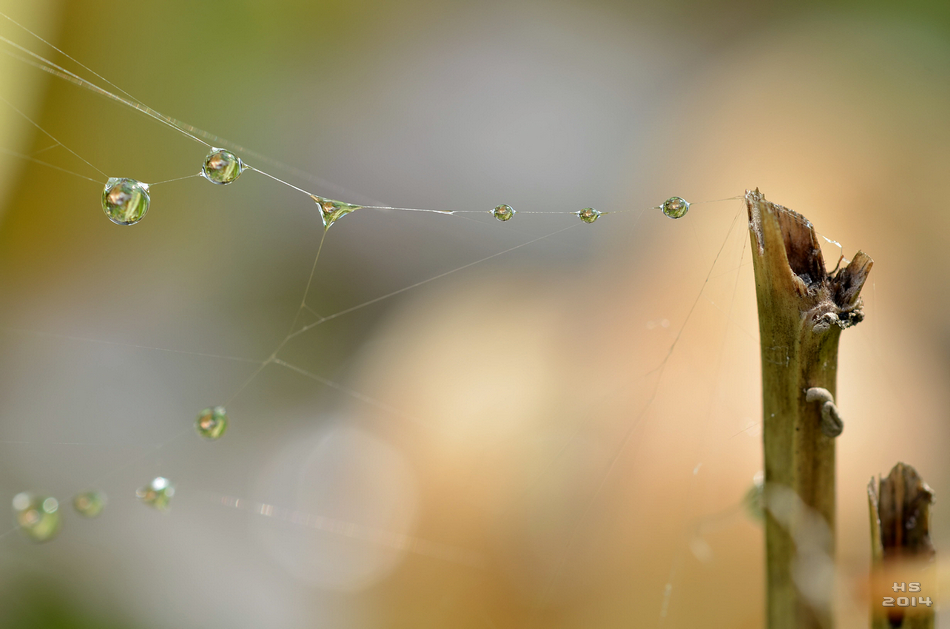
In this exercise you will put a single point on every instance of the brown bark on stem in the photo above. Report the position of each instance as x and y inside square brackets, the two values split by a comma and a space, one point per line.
[802, 310]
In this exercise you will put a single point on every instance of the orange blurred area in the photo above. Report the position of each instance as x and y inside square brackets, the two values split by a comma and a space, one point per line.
[530, 423]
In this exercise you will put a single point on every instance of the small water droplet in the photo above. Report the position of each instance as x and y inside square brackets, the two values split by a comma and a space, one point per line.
[331, 211]
[125, 201]
[675, 207]
[89, 503]
[503, 212]
[588, 214]
[222, 167]
[212, 422]
[37, 516]
[157, 493]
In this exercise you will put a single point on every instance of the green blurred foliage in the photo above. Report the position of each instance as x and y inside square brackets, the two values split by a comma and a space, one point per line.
[35, 601]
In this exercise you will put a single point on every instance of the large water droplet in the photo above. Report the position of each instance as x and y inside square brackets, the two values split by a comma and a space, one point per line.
[37, 516]
[675, 207]
[588, 214]
[157, 493]
[331, 211]
[212, 422]
[89, 503]
[125, 201]
[222, 167]
[503, 212]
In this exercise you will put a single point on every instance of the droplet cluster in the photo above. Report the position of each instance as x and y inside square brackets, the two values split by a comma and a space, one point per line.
[39, 516]
[126, 201]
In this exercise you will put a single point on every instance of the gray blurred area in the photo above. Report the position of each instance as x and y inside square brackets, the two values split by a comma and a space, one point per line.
[513, 444]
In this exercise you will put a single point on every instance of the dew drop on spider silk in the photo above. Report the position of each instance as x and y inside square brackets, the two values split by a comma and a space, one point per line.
[675, 207]
[212, 422]
[503, 212]
[89, 503]
[588, 214]
[754, 499]
[222, 167]
[331, 211]
[37, 516]
[157, 493]
[125, 201]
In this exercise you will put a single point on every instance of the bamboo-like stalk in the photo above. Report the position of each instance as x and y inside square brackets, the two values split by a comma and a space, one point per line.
[902, 554]
[802, 310]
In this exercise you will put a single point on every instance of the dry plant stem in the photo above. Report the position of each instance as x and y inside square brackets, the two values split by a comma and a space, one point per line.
[901, 549]
[802, 310]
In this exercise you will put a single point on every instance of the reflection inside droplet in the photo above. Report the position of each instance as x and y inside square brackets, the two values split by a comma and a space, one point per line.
[675, 207]
[222, 167]
[503, 212]
[212, 422]
[125, 201]
[588, 214]
[89, 503]
[331, 211]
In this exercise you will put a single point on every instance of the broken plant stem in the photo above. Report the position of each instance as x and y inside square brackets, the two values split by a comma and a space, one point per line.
[802, 310]
[903, 579]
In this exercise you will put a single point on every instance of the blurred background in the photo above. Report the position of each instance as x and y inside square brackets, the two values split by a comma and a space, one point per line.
[557, 436]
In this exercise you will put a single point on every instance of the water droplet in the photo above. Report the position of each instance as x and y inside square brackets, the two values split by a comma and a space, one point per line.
[125, 201]
[89, 503]
[37, 516]
[588, 214]
[503, 212]
[212, 422]
[331, 211]
[157, 493]
[222, 167]
[676, 207]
